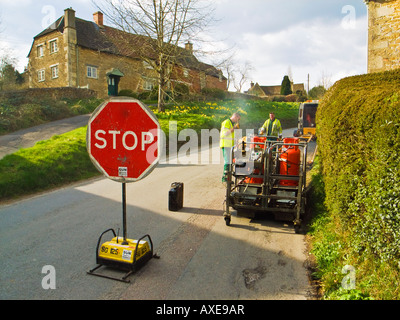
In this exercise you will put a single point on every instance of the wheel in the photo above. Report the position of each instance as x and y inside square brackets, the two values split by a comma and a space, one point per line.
[228, 221]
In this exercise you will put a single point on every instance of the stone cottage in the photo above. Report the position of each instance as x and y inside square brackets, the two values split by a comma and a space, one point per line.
[268, 91]
[87, 54]
[383, 35]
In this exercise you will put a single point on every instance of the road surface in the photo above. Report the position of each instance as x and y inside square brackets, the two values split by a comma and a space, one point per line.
[27, 138]
[200, 257]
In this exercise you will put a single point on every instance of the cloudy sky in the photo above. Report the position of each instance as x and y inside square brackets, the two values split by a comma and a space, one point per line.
[325, 39]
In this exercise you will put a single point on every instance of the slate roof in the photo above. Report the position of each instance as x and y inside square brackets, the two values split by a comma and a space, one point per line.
[94, 37]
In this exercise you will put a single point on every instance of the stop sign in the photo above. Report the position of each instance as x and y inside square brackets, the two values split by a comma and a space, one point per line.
[123, 139]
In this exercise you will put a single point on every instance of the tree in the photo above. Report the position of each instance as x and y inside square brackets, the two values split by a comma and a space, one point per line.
[317, 93]
[241, 75]
[325, 80]
[10, 78]
[166, 24]
[286, 87]
[227, 64]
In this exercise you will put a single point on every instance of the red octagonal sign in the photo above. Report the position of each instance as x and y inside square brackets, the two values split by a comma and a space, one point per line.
[123, 140]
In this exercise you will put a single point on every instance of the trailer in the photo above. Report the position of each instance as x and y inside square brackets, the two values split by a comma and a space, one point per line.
[267, 175]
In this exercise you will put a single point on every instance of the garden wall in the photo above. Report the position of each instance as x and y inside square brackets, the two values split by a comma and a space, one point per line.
[28, 95]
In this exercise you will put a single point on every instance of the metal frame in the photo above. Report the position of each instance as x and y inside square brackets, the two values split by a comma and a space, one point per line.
[268, 196]
[130, 267]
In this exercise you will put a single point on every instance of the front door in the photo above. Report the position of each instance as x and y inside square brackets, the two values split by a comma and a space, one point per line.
[113, 82]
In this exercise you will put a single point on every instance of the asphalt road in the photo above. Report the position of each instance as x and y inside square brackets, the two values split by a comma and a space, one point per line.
[27, 138]
[200, 257]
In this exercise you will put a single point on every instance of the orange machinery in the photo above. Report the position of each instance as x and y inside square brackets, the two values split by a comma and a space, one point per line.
[267, 176]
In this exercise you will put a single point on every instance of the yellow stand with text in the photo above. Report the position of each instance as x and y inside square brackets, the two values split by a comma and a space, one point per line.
[124, 254]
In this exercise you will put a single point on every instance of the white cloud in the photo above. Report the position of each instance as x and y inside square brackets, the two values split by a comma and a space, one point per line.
[310, 47]
[310, 36]
[17, 3]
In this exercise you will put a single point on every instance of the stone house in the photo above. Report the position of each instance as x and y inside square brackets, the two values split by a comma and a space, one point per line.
[383, 35]
[267, 91]
[84, 54]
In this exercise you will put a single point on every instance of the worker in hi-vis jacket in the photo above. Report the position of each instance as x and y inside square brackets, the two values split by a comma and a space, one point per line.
[272, 127]
[227, 140]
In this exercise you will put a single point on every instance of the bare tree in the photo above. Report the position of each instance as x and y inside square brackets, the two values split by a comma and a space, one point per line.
[227, 65]
[237, 74]
[241, 75]
[161, 26]
[325, 80]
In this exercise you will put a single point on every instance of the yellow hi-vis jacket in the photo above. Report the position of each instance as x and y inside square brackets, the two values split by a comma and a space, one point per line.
[276, 127]
[227, 138]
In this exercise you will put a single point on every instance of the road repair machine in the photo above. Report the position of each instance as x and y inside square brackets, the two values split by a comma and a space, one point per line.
[267, 175]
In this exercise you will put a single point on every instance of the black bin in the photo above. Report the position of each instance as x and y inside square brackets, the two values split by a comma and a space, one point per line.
[175, 198]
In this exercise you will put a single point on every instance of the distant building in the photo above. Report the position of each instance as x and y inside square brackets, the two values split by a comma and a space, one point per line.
[383, 35]
[83, 54]
[267, 91]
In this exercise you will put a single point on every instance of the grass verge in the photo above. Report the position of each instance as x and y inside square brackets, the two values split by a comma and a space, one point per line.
[51, 163]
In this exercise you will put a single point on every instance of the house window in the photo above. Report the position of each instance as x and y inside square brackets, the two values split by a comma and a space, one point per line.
[40, 51]
[54, 71]
[53, 46]
[91, 72]
[41, 75]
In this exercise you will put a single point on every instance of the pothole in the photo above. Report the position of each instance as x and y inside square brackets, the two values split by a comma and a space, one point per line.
[252, 276]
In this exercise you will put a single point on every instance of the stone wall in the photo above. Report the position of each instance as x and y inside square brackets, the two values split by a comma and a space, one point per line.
[105, 63]
[46, 61]
[383, 35]
[28, 95]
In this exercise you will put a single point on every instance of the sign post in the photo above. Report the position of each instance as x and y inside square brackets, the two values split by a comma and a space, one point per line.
[123, 142]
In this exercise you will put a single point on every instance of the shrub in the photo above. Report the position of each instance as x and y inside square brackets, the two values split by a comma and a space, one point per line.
[358, 131]
[213, 94]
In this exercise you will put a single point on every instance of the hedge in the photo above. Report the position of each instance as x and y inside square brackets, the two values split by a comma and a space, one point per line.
[358, 133]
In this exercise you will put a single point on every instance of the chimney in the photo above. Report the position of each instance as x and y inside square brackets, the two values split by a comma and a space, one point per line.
[98, 18]
[69, 18]
[189, 47]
